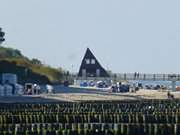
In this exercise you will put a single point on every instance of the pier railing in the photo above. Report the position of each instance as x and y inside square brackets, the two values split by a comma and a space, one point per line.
[133, 76]
[151, 77]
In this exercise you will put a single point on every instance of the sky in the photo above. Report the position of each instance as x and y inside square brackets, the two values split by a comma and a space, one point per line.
[125, 35]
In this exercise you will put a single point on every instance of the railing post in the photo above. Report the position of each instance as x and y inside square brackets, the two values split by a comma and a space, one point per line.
[163, 77]
[144, 76]
[173, 85]
[125, 76]
[169, 77]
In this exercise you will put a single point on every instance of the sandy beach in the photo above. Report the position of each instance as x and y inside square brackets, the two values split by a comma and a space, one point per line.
[91, 96]
[139, 95]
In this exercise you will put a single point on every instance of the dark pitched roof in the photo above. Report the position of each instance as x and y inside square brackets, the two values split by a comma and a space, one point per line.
[91, 66]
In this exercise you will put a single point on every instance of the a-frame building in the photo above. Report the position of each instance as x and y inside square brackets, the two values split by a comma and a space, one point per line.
[90, 67]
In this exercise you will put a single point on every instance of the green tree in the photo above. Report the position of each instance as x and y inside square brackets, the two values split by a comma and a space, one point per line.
[36, 62]
[2, 39]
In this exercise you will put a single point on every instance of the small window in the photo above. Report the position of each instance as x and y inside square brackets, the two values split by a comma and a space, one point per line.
[87, 61]
[93, 61]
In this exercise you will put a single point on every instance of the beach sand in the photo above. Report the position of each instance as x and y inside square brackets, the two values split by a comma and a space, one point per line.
[139, 95]
[75, 97]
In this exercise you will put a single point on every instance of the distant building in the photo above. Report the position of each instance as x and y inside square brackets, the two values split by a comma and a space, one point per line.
[90, 67]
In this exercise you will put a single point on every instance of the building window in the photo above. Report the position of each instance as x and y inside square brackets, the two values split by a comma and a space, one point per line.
[87, 61]
[93, 61]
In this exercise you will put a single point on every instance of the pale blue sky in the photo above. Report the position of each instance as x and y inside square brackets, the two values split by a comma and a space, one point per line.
[125, 35]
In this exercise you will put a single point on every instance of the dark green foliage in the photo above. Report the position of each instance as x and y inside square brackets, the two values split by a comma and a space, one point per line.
[22, 66]
[2, 39]
[10, 53]
[36, 62]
